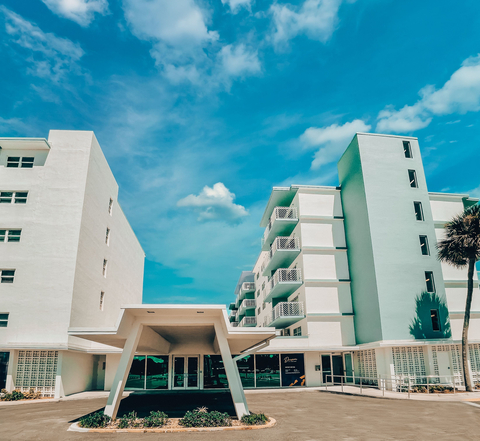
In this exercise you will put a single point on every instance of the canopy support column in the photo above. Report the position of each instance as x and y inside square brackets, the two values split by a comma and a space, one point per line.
[121, 375]
[234, 381]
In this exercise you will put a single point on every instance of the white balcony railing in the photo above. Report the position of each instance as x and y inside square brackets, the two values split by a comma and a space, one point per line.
[286, 275]
[248, 321]
[288, 309]
[235, 324]
[248, 286]
[248, 304]
[281, 243]
[280, 213]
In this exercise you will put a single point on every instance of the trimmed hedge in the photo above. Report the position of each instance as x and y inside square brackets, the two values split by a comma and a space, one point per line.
[201, 417]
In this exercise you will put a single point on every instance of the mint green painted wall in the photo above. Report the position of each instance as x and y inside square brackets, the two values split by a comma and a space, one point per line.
[388, 274]
[366, 307]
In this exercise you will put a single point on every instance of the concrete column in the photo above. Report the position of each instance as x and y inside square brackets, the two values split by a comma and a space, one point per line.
[234, 381]
[11, 370]
[59, 390]
[121, 375]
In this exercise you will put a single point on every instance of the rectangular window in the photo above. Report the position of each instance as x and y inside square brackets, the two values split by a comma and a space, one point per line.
[297, 332]
[418, 211]
[424, 246]
[27, 162]
[17, 197]
[110, 206]
[407, 149]
[429, 281]
[7, 276]
[259, 311]
[3, 320]
[13, 161]
[412, 176]
[286, 332]
[258, 292]
[263, 306]
[10, 235]
[102, 298]
[107, 236]
[435, 319]
[21, 197]
[105, 263]
[6, 197]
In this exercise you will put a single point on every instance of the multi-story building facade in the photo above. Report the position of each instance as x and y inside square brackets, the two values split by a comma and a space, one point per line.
[350, 278]
[68, 258]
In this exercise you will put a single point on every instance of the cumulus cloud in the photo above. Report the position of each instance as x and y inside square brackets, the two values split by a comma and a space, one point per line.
[332, 140]
[317, 19]
[80, 11]
[47, 55]
[215, 203]
[236, 5]
[460, 94]
[237, 61]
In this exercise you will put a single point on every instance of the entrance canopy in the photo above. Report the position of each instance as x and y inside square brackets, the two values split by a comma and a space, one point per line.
[177, 329]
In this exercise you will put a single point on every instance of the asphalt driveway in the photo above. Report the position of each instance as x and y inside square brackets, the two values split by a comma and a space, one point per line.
[302, 416]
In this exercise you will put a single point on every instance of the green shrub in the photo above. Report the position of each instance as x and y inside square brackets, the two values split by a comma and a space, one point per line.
[94, 420]
[254, 419]
[129, 420]
[15, 395]
[201, 417]
[155, 419]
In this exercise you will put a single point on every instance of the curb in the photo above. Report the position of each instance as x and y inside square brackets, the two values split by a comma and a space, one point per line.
[76, 428]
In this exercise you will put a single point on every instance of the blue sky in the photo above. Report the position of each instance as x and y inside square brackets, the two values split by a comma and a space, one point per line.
[202, 106]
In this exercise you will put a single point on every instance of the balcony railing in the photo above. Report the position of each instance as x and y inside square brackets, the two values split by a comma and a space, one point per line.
[245, 305]
[248, 321]
[283, 283]
[247, 287]
[234, 316]
[287, 313]
[235, 324]
[288, 246]
[287, 218]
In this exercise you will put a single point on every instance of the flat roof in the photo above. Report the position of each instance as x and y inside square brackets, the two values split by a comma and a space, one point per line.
[24, 144]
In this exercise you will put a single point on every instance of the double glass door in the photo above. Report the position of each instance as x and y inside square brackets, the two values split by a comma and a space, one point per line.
[334, 367]
[185, 372]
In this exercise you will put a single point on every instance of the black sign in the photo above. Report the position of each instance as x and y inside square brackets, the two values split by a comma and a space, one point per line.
[293, 370]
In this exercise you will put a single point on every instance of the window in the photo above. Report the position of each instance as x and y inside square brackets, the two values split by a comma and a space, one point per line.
[263, 306]
[286, 332]
[257, 275]
[407, 149]
[435, 319]
[105, 263]
[412, 176]
[10, 235]
[259, 311]
[258, 292]
[424, 246]
[16, 197]
[102, 298]
[16, 161]
[429, 281]
[297, 332]
[7, 276]
[418, 211]
[295, 299]
[263, 286]
[3, 320]
[110, 206]
[107, 236]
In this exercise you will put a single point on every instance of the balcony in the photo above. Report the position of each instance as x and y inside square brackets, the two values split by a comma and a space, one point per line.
[284, 282]
[286, 314]
[233, 316]
[234, 324]
[248, 321]
[281, 223]
[282, 253]
[232, 306]
[246, 288]
[246, 305]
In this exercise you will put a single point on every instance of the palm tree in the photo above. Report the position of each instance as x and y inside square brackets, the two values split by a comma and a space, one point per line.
[461, 248]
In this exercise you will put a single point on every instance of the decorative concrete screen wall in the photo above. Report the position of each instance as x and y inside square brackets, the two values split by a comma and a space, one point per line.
[410, 361]
[37, 370]
[366, 363]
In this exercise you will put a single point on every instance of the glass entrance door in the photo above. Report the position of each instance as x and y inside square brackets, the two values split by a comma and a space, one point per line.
[185, 372]
[337, 367]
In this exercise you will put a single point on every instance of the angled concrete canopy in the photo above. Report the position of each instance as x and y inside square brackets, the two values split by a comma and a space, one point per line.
[177, 329]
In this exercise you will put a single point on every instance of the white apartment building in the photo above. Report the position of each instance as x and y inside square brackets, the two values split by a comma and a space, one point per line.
[68, 258]
[349, 276]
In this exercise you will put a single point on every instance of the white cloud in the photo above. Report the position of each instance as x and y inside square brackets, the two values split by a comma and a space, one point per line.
[215, 203]
[80, 11]
[460, 94]
[48, 56]
[475, 193]
[237, 61]
[236, 5]
[333, 140]
[317, 19]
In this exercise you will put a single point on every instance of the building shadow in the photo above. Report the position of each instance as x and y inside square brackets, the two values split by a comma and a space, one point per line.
[422, 326]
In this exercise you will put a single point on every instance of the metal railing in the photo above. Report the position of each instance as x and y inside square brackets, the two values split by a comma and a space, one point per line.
[248, 321]
[248, 286]
[279, 213]
[288, 309]
[398, 383]
[247, 304]
[281, 243]
[286, 275]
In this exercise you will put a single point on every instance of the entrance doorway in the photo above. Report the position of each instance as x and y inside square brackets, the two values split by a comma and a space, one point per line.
[185, 372]
[332, 368]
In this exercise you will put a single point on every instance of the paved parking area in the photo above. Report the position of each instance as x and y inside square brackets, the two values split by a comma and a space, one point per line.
[301, 416]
